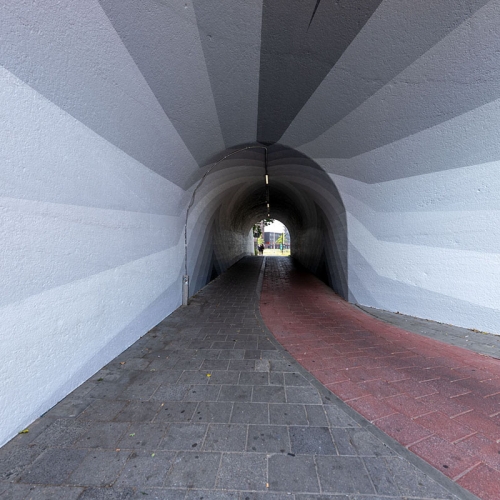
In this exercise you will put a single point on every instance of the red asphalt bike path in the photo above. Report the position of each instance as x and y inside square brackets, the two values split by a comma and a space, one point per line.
[440, 401]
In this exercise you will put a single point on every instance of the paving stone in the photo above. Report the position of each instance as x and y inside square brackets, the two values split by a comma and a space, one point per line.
[235, 393]
[236, 354]
[282, 365]
[63, 432]
[272, 355]
[139, 391]
[213, 412]
[316, 415]
[12, 491]
[366, 444]
[102, 410]
[251, 495]
[338, 497]
[226, 437]
[15, 459]
[146, 468]
[338, 418]
[170, 392]
[173, 411]
[215, 364]
[305, 395]
[211, 495]
[295, 379]
[103, 435]
[159, 494]
[242, 365]
[51, 493]
[254, 378]
[262, 365]
[94, 493]
[203, 393]
[292, 473]
[287, 414]
[193, 470]
[268, 439]
[269, 394]
[99, 468]
[343, 442]
[223, 377]
[184, 436]
[194, 377]
[143, 436]
[243, 472]
[53, 466]
[343, 475]
[311, 441]
[395, 476]
[276, 378]
[250, 413]
[138, 411]
[107, 390]
[68, 407]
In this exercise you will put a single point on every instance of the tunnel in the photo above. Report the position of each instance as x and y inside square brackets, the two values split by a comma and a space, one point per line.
[247, 185]
[135, 141]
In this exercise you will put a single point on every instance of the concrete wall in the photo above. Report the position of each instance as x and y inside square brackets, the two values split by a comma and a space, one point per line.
[90, 229]
[112, 110]
[413, 148]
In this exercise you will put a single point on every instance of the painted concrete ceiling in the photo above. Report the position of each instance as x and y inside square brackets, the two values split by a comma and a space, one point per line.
[304, 73]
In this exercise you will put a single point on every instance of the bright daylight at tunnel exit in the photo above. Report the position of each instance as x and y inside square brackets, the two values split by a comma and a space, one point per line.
[250, 250]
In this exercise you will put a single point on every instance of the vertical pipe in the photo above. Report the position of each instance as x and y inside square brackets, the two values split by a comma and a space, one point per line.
[185, 290]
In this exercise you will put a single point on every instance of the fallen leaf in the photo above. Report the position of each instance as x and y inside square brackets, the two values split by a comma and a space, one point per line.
[153, 454]
[122, 362]
[24, 431]
[132, 435]
[209, 374]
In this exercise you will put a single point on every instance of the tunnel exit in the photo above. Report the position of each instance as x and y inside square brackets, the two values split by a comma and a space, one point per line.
[276, 239]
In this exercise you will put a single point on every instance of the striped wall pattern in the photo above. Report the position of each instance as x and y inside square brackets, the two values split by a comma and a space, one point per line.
[381, 119]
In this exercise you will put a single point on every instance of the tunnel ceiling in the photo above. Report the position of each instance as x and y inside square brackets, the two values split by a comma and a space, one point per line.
[302, 73]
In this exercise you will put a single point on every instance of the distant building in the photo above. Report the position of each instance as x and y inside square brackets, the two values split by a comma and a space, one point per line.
[271, 240]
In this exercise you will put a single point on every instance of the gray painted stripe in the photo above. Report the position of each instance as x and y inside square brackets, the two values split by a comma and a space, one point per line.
[397, 34]
[395, 296]
[295, 57]
[70, 53]
[470, 139]
[230, 36]
[163, 39]
[457, 75]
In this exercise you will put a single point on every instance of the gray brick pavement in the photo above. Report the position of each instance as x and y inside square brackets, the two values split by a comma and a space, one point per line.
[208, 406]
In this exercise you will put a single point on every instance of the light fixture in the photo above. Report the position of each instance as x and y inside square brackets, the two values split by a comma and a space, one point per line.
[267, 179]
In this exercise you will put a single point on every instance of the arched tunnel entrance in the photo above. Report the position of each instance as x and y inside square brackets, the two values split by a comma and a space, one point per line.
[234, 194]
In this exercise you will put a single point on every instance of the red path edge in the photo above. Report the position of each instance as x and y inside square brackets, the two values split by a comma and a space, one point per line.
[442, 402]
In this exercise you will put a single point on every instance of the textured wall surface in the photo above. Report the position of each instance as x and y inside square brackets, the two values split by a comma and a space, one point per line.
[382, 122]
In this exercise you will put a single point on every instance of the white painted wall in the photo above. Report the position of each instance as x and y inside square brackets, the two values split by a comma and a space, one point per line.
[105, 122]
[428, 246]
[91, 252]
[413, 149]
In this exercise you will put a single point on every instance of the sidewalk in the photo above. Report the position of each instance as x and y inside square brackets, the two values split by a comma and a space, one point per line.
[440, 401]
[208, 406]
